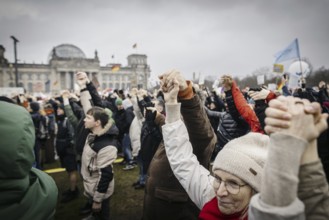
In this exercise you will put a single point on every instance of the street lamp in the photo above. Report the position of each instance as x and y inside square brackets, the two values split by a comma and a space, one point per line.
[15, 51]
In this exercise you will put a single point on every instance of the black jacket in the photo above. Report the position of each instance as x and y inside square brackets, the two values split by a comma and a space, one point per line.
[123, 119]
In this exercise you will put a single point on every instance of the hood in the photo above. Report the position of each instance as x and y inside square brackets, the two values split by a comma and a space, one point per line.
[17, 142]
[109, 129]
[23, 188]
[113, 130]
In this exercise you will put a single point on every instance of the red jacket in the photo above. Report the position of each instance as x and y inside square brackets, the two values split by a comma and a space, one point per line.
[245, 110]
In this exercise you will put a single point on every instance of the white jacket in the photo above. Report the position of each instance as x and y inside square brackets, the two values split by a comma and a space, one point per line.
[93, 162]
[135, 135]
[136, 128]
[195, 179]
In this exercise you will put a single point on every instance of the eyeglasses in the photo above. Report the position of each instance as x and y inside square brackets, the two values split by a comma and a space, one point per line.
[230, 185]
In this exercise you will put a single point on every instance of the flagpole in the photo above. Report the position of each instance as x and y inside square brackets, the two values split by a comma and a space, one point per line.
[300, 61]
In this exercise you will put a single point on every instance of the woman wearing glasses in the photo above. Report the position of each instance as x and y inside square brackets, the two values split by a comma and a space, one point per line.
[237, 171]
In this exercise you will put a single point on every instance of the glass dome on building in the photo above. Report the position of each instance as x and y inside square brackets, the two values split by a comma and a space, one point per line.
[67, 51]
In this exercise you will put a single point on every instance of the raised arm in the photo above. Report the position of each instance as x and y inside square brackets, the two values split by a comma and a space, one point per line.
[85, 97]
[194, 178]
[292, 154]
[68, 110]
[241, 104]
[201, 134]
[211, 113]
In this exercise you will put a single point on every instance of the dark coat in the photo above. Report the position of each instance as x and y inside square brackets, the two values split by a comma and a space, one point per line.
[151, 137]
[64, 137]
[164, 197]
[231, 124]
[123, 119]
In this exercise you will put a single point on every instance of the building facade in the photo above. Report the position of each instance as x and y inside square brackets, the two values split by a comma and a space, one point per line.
[64, 61]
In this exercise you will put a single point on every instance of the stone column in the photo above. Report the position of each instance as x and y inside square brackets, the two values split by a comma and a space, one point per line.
[67, 79]
[71, 75]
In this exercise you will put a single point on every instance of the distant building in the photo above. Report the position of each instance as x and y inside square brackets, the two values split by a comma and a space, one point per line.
[64, 61]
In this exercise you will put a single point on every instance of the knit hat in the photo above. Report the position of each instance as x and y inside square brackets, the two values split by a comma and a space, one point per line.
[118, 101]
[244, 157]
[110, 114]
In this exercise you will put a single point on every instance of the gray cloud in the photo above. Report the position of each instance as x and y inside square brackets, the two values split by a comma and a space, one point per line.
[208, 36]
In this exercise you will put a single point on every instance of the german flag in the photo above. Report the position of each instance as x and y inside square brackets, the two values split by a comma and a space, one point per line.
[115, 68]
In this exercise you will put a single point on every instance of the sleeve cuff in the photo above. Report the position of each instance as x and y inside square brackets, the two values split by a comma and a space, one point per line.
[172, 112]
[187, 93]
[260, 210]
[98, 197]
[66, 101]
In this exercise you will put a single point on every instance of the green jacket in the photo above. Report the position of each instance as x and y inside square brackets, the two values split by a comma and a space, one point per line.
[25, 192]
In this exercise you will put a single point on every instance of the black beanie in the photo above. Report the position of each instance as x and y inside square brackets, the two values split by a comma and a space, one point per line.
[35, 106]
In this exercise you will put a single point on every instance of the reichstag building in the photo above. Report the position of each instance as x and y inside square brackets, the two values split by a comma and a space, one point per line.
[64, 61]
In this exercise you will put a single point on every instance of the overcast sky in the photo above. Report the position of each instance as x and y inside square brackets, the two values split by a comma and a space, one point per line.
[208, 36]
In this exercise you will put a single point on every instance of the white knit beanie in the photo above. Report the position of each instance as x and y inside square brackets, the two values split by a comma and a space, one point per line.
[244, 157]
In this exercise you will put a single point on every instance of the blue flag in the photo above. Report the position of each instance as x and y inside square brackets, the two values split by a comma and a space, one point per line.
[291, 52]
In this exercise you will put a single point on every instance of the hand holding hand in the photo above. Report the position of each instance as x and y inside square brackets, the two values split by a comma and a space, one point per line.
[259, 95]
[74, 96]
[226, 82]
[65, 94]
[82, 79]
[169, 76]
[296, 117]
[170, 91]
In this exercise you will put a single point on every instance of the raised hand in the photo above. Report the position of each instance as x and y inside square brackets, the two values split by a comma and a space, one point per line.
[296, 117]
[165, 78]
[259, 95]
[226, 82]
[66, 94]
[170, 89]
[82, 79]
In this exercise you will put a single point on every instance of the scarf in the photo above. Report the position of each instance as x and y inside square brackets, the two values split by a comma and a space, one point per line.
[210, 211]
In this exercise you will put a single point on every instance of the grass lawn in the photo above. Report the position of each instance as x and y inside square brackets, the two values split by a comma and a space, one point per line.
[126, 203]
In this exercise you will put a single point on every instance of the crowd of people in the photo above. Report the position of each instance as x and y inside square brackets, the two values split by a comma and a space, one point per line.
[241, 154]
